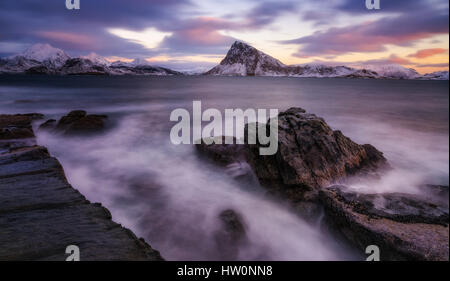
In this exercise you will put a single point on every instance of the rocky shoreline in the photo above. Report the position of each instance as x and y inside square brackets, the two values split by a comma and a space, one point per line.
[41, 213]
[312, 159]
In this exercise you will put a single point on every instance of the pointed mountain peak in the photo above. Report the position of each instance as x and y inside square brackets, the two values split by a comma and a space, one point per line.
[243, 59]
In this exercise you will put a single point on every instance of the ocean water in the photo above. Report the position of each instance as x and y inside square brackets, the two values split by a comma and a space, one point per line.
[169, 196]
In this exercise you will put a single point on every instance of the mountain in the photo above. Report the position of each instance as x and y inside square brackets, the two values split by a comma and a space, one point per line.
[46, 54]
[97, 59]
[44, 59]
[438, 75]
[245, 60]
[395, 71]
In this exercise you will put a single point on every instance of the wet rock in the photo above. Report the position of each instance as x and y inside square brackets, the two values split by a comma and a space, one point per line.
[16, 126]
[223, 154]
[48, 125]
[76, 122]
[403, 226]
[231, 235]
[41, 213]
[310, 156]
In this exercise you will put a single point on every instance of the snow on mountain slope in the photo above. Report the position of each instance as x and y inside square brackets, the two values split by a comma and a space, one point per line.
[245, 60]
[395, 71]
[438, 75]
[97, 59]
[44, 59]
[51, 57]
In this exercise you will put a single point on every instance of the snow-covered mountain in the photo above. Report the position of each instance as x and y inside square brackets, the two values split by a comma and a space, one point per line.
[46, 54]
[241, 60]
[97, 59]
[438, 75]
[395, 71]
[44, 59]
[245, 60]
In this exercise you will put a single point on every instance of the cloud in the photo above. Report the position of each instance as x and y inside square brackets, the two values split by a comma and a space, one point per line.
[373, 36]
[427, 53]
[266, 12]
[445, 64]
[149, 38]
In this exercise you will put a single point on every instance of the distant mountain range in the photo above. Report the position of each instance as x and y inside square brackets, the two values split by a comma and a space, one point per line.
[245, 60]
[44, 59]
[241, 60]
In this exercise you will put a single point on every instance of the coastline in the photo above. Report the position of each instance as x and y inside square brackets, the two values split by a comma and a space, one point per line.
[41, 213]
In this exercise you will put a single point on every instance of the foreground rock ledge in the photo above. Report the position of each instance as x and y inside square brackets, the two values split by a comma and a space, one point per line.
[41, 214]
[403, 226]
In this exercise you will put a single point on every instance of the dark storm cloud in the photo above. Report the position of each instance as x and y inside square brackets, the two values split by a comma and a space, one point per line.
[30, 21]
[266, 12]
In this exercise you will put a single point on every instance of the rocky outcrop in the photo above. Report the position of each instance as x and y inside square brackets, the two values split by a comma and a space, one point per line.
[403, 226]
[231, 234]
[17, 126]
[75, 123]
[310, 156]
[41, 214]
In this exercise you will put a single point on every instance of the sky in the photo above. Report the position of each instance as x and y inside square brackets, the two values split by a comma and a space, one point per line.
[196, 34]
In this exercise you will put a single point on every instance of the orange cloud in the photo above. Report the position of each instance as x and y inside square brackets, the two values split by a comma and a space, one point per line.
[427, 53]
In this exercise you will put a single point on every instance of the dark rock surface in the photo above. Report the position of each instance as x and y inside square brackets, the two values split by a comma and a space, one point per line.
[41, 214]
[17, 126]
[231, 235]
[76, 122]
[403, 226]
[310, 156]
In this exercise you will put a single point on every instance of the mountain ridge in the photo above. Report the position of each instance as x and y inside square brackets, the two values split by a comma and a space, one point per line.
[45, 59]
[240, 60]
[245, 60]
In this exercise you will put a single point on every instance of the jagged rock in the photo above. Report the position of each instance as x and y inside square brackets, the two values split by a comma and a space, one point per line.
[77, 122]
[48, 125]
[223, 154]
[310, 156]
[231, 235]
[403, 226]
[16, 126]
[41, 214]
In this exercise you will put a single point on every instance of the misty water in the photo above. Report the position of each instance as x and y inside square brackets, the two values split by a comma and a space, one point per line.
[172, 198]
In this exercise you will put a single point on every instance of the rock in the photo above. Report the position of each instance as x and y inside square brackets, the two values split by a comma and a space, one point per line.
[71, 117]
[310, 156]
[403, 226]
[223, 154]
[231, 235]
[41, 213]
[76, 122]
[48, 125]
[15, 126]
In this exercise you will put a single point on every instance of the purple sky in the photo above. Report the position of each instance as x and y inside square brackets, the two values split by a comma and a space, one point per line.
[196, 33]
